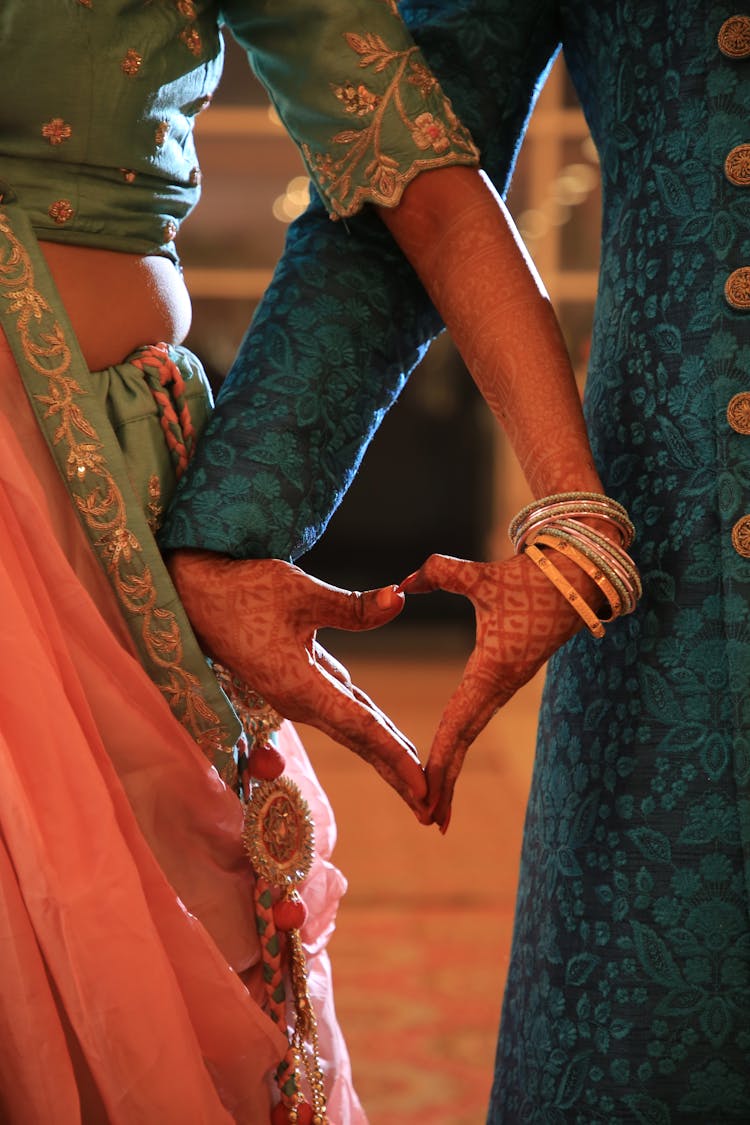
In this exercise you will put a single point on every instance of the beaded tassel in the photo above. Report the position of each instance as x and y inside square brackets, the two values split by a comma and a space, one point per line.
[279, 841]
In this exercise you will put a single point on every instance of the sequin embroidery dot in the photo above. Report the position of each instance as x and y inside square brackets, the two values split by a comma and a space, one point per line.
[56, 131]
[192, 40]
[131, 64]
[61, 211]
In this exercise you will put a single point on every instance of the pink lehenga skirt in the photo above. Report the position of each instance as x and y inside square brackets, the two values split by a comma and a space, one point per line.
[129, 960]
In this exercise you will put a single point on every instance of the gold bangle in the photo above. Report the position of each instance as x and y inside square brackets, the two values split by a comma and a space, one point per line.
[569, 505]
[569, 592]
[595, 572]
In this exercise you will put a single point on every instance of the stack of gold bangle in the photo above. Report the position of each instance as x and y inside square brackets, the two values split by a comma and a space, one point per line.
[558, 523]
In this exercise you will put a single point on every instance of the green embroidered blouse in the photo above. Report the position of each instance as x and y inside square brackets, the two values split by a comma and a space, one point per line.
[100, 149]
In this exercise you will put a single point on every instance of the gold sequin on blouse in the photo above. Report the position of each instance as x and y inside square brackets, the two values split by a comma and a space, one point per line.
[356, 99]
[131, 64]
[56, 131]
[192, 40]
[422, 78]
[61, 211]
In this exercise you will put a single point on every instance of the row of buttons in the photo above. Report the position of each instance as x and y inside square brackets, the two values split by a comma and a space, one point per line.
[734, 43]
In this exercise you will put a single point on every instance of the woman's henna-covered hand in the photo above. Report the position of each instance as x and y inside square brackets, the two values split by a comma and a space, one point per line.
[260, 617]
[521, 619]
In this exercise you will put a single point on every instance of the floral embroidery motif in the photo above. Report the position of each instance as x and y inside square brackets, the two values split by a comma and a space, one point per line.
[186, 8]
[428, 132]
[56, 131]
[131, 64]
[98, 498]
[365, 169]
[61, 211]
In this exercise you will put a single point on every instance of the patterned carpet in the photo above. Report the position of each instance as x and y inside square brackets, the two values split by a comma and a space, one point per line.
[421, 949]
[418, 995]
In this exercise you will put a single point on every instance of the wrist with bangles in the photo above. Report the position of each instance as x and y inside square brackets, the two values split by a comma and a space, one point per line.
[560, 527]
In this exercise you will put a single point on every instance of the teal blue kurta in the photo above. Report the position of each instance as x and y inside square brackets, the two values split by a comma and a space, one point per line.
[628, 995]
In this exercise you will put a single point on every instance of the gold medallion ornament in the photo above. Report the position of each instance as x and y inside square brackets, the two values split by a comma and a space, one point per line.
[278, 834]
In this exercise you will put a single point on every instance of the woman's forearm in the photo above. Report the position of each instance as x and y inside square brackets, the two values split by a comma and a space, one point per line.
[463, 244]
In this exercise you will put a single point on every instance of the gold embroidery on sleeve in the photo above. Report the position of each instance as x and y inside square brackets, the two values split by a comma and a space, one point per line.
[364, 170]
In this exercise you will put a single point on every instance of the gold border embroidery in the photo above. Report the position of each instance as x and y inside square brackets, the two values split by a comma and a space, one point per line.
[98, 498]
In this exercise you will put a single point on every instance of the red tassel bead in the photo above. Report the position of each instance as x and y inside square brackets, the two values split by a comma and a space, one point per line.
[265, 762]
[302, 1114]
[289, 914]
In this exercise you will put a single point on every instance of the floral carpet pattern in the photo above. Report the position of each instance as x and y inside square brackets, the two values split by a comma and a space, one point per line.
[422, 944]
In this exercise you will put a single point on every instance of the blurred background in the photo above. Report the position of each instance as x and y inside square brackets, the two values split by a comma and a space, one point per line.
[421, 949]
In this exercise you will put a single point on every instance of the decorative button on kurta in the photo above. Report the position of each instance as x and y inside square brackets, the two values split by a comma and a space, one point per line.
[737, 165]
[738, 412]
[737, 288]
[741, 537]
[734, 37]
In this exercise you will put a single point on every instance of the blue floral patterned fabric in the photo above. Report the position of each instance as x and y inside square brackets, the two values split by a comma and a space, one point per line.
[628, 993]
[344, 322]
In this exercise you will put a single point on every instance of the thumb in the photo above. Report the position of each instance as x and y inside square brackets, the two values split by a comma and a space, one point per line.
[344, 609]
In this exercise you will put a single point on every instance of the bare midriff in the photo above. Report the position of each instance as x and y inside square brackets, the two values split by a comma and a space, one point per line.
[116, 302]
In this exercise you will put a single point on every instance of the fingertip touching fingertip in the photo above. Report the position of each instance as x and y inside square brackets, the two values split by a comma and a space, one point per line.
[388, 597]
[409, 580]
